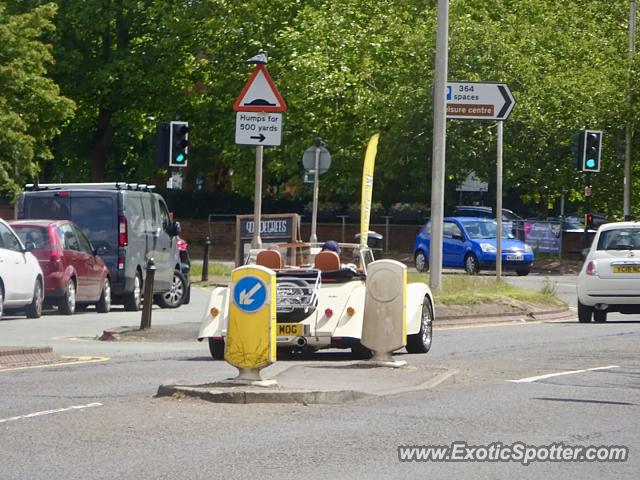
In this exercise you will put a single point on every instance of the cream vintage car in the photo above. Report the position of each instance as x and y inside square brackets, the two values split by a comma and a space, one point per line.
[320, 301]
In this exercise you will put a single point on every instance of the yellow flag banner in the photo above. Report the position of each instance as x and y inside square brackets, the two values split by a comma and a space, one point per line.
[367, 187]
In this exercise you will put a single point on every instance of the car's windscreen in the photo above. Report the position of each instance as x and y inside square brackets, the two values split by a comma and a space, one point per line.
[620, 239]
[476, 229]
[39, 236]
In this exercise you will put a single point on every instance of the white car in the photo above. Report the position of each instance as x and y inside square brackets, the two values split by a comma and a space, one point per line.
[610, 276]
[21, 279]
[320, 304]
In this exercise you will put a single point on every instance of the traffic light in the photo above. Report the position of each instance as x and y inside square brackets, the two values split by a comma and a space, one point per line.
[591, 146]
[162, 144]
[588, 221]
[178, 144]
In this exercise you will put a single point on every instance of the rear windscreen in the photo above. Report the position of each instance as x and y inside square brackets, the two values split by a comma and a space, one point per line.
[39, 236]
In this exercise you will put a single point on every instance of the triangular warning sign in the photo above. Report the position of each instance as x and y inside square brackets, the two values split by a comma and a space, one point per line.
[259, 94]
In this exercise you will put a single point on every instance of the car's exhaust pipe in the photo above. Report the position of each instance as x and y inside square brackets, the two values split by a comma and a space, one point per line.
[301, 342]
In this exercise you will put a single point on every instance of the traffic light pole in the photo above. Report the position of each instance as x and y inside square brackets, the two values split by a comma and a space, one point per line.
[587, 209]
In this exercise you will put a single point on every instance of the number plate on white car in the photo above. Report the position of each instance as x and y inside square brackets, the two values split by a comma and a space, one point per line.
[626, 269]
[289, 329]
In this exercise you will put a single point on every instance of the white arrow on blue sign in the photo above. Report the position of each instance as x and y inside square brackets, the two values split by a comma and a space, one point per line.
[250, 294]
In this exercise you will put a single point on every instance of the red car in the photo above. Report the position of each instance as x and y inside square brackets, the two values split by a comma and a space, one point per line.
[74, 273]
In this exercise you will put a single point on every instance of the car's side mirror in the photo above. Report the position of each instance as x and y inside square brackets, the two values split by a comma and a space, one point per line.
[457, 236]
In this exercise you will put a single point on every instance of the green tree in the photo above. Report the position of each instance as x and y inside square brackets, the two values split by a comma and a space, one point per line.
[32, 111]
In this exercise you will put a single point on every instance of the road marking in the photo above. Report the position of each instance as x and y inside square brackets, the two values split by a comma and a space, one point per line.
[71, 361]
[49, 412]
[570, 372]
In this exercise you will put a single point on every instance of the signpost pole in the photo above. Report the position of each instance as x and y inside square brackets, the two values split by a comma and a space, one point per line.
[316, 185]
[439, 142]
[256, 241]
[499, 203]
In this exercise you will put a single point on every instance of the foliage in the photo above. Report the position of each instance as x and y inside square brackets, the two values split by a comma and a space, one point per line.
[32, 111]
[346, 69]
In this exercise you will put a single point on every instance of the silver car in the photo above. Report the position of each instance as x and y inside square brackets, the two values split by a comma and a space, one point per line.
[610, 275]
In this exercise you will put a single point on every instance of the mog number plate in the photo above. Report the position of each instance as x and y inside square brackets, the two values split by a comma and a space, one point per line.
[289, 330]
[626, 269]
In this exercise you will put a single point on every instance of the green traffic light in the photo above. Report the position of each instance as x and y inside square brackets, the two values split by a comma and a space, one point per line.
[180, 158]
[591, 163]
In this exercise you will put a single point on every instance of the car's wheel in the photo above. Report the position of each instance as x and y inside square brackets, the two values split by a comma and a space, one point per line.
[67, 303]
[104, 304]
[422, 262]
[34, 309]
[421, 342]
[216, 347]
[471, 264]
[522, 272]
[133, 300]
[584, 313]
[175, 296]
[359, 351]
[599, 316]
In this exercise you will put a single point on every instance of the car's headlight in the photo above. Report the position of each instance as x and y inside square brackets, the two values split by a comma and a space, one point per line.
[527, 248]
[488, 248]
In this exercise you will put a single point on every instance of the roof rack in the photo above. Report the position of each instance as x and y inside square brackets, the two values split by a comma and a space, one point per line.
[91, 186]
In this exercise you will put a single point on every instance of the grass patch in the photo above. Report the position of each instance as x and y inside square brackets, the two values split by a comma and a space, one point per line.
[215, 269]
[473, 290]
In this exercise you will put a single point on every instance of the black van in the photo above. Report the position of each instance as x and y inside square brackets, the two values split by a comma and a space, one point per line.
[127, 225]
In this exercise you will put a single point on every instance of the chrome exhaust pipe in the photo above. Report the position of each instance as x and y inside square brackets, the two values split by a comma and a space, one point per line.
[301, 342]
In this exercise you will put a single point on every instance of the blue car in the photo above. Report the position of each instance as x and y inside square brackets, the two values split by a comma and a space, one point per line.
[470, 243]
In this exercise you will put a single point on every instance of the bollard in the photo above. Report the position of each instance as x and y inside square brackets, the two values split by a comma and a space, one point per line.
[205, 260]
[147, 305]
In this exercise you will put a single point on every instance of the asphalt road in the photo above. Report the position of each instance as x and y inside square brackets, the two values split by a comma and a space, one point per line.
[101, 421]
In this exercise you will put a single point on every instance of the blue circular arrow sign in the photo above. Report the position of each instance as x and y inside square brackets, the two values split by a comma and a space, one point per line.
[250, 294]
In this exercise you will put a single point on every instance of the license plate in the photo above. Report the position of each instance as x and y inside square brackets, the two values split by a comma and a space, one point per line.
[289, 329]
[512, 258]
[626, 269]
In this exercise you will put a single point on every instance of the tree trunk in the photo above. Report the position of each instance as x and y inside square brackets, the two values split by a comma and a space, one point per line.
[101, 142]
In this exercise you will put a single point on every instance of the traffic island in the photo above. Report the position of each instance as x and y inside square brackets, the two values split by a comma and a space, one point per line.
[318, 383]
[15, 357]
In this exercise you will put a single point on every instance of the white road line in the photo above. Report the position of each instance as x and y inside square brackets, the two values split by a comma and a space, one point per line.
[49, 412]
[570, 372]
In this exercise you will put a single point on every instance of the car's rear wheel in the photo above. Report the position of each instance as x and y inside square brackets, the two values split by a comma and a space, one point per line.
[133, 300]
[522, 272]
[584, 313]
[34, 309]
[422, 262]
[216, 347]
[471, 264]
[67, 303]
[421, 342]
[104, 304]
[175, 296]
[599, 316]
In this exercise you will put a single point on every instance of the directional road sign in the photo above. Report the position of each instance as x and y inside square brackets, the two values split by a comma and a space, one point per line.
[258, 128]
[249, 294]
[479, 101]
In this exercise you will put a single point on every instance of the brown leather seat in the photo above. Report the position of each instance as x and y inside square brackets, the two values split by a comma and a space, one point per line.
[327, 261]
[270, 259]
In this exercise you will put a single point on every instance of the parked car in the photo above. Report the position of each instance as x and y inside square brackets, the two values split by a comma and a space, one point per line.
[610, 275]
[74, 273]
[511, 221]
[470, 243]
[128, 224]
[21, 278]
